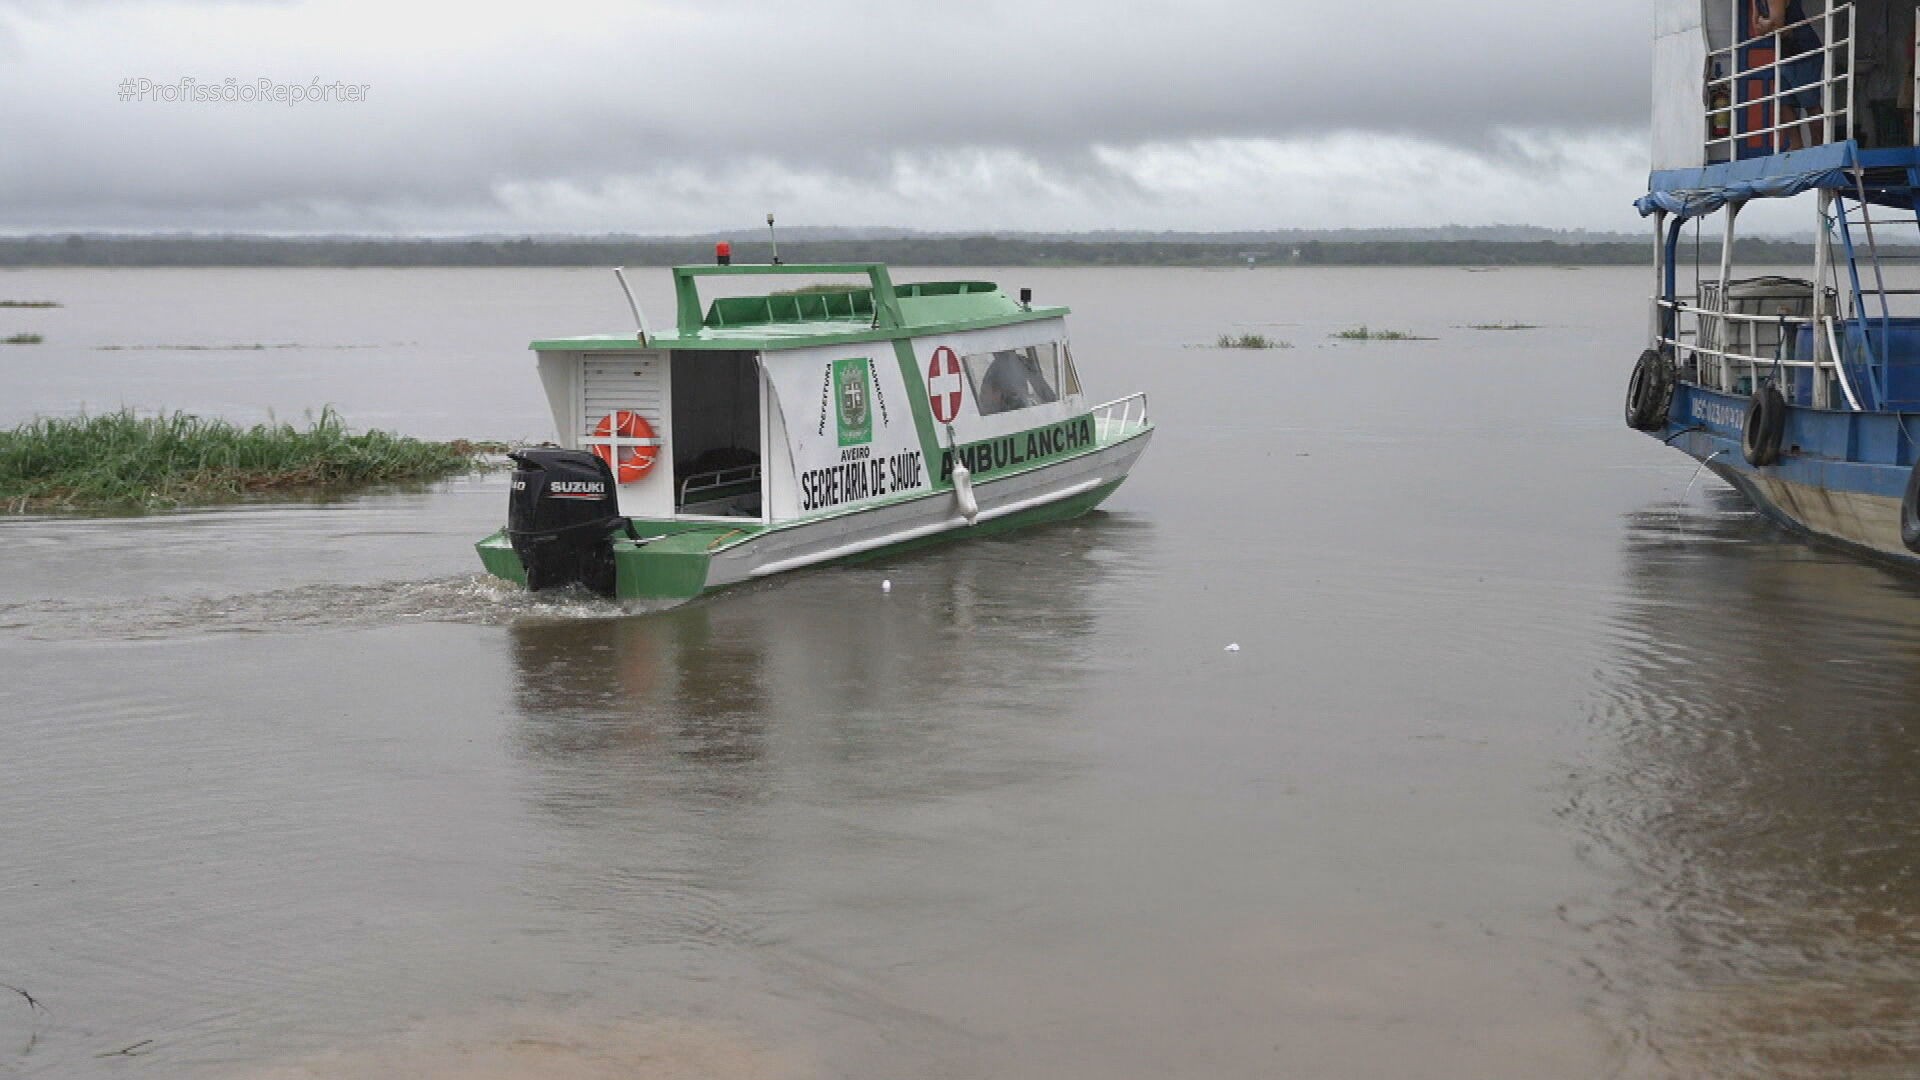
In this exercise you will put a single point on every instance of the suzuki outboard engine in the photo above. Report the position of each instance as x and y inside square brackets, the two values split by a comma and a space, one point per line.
[561, 519]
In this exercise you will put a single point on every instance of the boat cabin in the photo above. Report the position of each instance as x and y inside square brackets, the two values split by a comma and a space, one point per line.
[787, 404]
[1771, 100]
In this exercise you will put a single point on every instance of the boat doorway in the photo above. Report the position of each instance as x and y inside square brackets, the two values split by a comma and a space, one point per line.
[717, 435]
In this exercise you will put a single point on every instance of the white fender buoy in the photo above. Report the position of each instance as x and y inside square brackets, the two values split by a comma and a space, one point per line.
[963, 493]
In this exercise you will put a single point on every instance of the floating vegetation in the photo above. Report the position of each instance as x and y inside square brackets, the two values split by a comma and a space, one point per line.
[253, 347]
[1249, 341]
[29, 303]
[22, 339]
[1364, 333]
[123, 461]
[1502, 326]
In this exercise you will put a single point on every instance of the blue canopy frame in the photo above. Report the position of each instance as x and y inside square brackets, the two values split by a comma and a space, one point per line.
[1889, 177]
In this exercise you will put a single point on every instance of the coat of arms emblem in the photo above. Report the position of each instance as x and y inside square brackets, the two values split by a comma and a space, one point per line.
[853, 396]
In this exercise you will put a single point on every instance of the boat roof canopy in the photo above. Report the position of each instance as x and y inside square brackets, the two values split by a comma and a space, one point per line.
[1886, 176]
[817, 315]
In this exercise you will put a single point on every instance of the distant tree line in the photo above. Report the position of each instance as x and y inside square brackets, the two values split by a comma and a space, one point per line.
[909, 250]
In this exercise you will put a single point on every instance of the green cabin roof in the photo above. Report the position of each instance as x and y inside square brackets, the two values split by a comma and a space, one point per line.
[816, 316]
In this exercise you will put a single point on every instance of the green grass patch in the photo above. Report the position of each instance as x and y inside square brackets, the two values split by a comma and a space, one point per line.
[29, 303]
[123, 461]
[249, 347]
[1502, 326]
[1249, 341]
[22, 339]
[1365, 333]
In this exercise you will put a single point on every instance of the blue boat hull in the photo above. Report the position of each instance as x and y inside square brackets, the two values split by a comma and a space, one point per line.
[1841, 475]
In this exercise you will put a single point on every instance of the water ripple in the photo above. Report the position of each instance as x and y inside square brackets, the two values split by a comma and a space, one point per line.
[1764, 762]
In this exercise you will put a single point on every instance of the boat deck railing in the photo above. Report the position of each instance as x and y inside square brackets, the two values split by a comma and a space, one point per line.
[707, 485]
[1745, 91]
[1119, 418]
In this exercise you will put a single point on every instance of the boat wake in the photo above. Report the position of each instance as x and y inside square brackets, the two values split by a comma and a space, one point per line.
[471, 599]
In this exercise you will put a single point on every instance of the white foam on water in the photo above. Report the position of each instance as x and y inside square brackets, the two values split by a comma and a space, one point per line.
[515, 1045]
[476, 599]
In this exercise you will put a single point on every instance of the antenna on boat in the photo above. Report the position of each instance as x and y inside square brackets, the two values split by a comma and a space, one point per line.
[772, 239]
[639, 320]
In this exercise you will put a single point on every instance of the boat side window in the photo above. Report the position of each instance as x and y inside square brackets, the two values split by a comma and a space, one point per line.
[1009, 379]
[1070, 375]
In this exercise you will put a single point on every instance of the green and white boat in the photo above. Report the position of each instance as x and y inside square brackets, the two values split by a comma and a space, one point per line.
[772, 432]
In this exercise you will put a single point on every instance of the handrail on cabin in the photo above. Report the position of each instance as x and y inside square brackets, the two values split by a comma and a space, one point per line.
[1835, 85]
[686, 293]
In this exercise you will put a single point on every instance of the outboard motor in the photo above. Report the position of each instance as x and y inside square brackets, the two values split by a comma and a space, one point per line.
[561, 518]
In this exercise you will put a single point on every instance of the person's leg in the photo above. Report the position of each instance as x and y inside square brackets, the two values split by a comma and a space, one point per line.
[1800, 106]
[1790, 135]
[1814, 131]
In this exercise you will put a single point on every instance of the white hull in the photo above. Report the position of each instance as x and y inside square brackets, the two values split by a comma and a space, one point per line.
[870, 529]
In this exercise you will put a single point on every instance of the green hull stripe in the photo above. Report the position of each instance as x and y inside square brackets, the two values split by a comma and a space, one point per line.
[746, 531]
[676, 568]
[498, 557]
[1056, 511]
[673, 568]
[1004, 455]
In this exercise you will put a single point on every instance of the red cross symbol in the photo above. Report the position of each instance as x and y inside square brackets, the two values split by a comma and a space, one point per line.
[944, 384]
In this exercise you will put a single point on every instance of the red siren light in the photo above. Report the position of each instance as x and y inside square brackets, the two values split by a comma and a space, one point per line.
[723, 254]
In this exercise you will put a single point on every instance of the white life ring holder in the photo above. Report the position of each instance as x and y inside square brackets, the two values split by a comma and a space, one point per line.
[627, 443]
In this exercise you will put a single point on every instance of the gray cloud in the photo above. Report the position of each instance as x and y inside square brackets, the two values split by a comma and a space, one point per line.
[644, 116]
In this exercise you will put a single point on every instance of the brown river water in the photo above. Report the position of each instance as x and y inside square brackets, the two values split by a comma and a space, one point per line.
[1540, 757]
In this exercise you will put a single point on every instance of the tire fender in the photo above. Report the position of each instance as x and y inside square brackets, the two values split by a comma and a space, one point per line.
[1650, 392]
[1910, 511]
[1763, 426]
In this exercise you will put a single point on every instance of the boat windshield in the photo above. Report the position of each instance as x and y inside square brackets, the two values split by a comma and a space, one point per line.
[1009, 379]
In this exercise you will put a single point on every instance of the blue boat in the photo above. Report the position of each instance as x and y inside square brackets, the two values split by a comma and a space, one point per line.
[1802, 390]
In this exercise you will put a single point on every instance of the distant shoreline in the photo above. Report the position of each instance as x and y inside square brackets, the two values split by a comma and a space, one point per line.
[910, 250]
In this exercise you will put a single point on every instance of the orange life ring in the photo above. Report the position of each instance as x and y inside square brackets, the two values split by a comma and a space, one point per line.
[632, 455]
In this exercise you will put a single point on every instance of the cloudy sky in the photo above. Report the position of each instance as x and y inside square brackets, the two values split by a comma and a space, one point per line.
[679, 116]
